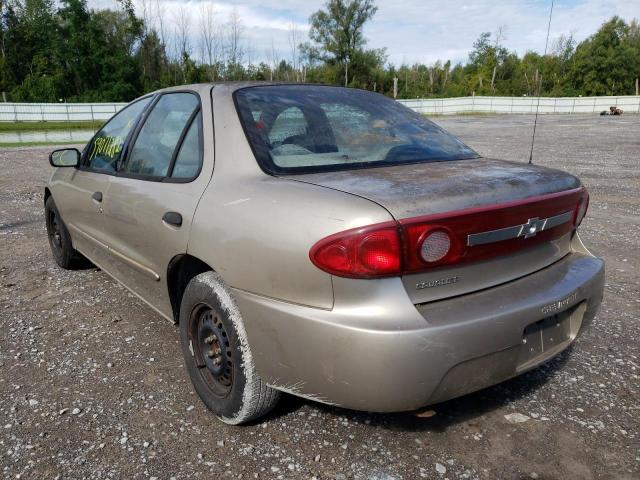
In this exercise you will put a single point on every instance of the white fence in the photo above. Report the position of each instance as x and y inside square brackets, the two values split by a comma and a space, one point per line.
[65, 112]
[57, 112]
[451, 106]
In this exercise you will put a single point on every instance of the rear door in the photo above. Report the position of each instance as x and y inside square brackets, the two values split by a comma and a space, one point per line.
[82, 195]
[151, 201]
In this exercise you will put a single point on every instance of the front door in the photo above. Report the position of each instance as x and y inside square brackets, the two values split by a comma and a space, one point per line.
[85, 188]
[151, 201]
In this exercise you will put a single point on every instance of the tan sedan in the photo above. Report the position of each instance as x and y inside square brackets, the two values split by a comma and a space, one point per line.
[326, 242]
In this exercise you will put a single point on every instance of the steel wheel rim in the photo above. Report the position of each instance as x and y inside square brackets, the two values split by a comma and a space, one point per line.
[55, 236]
[212, 350]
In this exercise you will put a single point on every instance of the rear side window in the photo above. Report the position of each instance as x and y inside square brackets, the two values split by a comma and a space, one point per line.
[156, 143]
[104, 149]
[304, 128]
[189, 157]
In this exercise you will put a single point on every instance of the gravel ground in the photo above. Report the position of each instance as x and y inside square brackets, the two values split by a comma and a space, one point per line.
[92, 383]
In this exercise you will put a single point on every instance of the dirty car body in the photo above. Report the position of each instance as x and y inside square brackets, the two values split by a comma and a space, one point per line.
[376, 262]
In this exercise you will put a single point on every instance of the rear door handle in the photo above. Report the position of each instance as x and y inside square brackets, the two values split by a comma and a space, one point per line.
[172, 218]
[97, 196]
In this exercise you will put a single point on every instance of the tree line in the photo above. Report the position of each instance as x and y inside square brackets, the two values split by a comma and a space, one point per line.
[64, 51]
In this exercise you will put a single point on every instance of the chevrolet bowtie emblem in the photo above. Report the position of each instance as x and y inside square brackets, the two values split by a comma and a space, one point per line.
[533, 226]
[526, 230]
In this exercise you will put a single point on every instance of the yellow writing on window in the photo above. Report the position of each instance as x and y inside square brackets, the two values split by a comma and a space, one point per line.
[106, 146]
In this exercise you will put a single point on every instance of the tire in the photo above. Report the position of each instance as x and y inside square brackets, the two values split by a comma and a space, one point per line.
[217, 354]
[60, 240]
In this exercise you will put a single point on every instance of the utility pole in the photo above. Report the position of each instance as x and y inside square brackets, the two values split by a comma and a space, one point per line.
[395, 87]
[346, 73]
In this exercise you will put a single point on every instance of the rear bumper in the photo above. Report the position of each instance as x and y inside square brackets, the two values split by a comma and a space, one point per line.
[376, 351]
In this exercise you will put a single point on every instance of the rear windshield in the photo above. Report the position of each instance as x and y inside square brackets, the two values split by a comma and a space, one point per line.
[303, 128]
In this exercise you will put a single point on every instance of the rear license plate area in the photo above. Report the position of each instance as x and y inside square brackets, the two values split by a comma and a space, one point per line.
[544, 338]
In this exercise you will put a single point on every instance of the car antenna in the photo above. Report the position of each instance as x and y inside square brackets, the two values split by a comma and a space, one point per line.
[535, 122]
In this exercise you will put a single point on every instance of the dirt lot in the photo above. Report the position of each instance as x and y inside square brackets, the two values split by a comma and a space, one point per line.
[92, 383]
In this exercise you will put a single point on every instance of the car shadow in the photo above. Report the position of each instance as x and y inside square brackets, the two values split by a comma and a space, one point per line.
[458, 410]
[19, 223]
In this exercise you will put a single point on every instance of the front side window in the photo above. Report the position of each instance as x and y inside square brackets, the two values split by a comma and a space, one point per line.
[298, 129]
[158, 138]
[104, 149]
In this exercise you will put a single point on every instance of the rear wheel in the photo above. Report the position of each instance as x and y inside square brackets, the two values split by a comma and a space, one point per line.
[217, 354]
[60, 240]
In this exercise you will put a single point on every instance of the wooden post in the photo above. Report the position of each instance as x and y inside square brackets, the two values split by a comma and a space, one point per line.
[637, 85]
[395, 87]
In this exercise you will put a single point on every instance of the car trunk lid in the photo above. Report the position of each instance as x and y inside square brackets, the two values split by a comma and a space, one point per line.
[490, 187]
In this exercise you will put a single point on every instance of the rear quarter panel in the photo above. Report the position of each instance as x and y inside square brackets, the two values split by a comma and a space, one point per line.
[257, 233]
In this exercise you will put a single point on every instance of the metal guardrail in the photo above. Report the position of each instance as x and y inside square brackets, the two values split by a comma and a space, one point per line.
[57, 112]
[481, 104]
[69, 112]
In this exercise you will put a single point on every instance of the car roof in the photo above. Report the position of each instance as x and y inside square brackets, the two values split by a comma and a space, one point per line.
[232, 86]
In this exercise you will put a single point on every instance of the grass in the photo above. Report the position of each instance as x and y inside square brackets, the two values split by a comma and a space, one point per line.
[462, 114]
[36, 144]
[30, 126]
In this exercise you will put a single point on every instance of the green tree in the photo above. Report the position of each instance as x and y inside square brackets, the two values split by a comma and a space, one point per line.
[62, 50]
[29, 71]
[608, 62]
[338, 32]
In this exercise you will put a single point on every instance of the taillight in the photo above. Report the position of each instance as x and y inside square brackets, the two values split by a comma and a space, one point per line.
[435, 246]
[429, 244]
[417, 244]
[368, 252]
[581, 209]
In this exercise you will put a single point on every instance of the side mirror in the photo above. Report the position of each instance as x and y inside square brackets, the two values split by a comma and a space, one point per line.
[66, 157]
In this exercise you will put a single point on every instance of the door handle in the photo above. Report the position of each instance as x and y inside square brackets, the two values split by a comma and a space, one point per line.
[97, 196]
[172, 218]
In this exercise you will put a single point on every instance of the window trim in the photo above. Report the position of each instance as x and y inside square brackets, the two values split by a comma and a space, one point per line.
[260, 149]
[132, 141]
[85, 156]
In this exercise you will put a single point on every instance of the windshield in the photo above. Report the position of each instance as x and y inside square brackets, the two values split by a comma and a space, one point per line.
[303, 128]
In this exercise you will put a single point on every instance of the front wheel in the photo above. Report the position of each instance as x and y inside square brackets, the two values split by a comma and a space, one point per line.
[217, 354]
[60, 240]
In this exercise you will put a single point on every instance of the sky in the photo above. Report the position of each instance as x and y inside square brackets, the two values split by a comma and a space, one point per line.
[411, 30]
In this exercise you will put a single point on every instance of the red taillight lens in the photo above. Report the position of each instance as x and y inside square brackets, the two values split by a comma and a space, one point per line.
[581, 209]
[379, 252]
[363, 252]
[417, 244]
